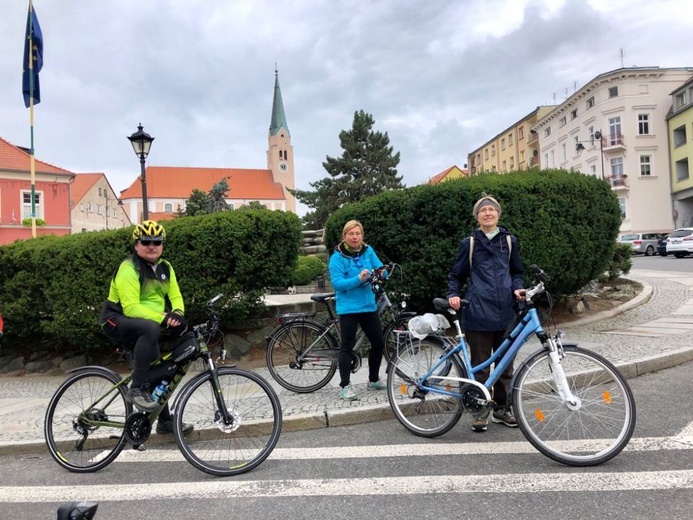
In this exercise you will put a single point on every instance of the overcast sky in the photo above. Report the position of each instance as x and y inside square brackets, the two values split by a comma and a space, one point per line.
[441, 77]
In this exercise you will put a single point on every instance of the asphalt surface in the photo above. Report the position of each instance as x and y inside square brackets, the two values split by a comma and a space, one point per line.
[649, 333]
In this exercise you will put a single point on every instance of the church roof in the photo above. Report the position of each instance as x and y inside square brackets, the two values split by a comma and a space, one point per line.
[176, 182]
[278, 117]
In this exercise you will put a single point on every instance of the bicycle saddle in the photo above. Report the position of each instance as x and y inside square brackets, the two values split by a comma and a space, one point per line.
[322, 297]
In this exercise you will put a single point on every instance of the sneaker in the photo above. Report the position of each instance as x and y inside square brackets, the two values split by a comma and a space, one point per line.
[142, 399]
[504, 416]
[348, 394]
[376, 385]
[166, 427]
[480, 423]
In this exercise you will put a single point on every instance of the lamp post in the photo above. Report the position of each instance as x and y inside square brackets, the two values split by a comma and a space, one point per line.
[141, 143]
[579, 146]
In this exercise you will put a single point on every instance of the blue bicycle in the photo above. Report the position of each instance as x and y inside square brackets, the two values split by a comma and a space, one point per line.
[570, 403]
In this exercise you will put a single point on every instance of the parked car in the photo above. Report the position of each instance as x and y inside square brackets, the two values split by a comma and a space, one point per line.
[662, 245]
[680, 242]
[644, 243]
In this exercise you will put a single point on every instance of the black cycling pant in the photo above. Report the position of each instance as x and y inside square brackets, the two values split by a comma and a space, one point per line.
[372, 328]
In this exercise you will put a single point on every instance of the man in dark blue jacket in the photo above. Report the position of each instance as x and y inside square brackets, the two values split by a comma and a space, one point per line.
[489, 260]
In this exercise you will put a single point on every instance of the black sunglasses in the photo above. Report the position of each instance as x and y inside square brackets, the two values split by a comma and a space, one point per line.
[151, 242]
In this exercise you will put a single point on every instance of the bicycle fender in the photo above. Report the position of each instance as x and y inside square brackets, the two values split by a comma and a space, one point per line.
[96, 368]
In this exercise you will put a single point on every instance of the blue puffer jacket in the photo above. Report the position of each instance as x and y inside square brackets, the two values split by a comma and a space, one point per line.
[353, 295]
[493, 278]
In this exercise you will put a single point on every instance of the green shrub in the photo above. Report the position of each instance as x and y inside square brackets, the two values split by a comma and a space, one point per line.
[621, 262]
[308, 268]
[566, 223]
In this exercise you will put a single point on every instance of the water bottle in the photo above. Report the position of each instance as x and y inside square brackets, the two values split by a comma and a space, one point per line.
[159, 391]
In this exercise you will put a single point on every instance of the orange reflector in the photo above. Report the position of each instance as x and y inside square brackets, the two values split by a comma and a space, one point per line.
[607, 397]
[403, 389]
[448, 388]
[539, 415]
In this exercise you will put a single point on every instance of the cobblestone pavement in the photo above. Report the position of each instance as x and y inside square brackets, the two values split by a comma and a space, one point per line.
[651, 332]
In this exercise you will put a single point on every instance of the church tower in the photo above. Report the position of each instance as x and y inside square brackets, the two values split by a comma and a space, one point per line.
[280, 154]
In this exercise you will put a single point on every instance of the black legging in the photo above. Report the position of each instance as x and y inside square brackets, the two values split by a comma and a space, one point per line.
[144, 334]
[372, 328]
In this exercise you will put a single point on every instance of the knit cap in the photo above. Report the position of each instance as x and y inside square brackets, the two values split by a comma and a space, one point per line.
[486, 200]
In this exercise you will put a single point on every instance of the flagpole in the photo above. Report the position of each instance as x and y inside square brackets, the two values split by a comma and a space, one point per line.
[31, 123]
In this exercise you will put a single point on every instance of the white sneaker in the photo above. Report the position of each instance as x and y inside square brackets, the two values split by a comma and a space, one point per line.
[348, 394]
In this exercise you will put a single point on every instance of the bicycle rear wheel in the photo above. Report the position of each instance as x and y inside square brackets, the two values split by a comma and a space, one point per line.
[84, 425]
[226, 450]
[425, 413]
[300, 357]
[588, 433]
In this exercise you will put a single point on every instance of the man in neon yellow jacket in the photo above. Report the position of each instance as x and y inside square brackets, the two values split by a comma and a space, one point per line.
[143, 299]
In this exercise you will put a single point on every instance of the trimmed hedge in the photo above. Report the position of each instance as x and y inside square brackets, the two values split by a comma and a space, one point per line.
[566, 223]
[308, 268]
[53, 287]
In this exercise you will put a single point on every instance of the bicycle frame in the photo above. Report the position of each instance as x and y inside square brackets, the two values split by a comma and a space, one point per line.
[528, 325]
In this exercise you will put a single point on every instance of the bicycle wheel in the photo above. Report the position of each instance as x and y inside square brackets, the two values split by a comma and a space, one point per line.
[224, 450]
[588, 433]
[302, 338]
[84, 426]
[425, 413]
[390, 335]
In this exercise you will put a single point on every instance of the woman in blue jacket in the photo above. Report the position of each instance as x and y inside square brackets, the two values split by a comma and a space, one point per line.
[350, 268]
[491, 265]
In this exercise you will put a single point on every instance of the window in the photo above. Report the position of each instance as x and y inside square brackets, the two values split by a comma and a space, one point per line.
[617, 167]
[512, 163]
[553, 158]
[90, 207]
[26, 204]
[613, 92]
[503, 144]
[564, 152]
[680, 100]
[593, 170]
[646, 165]
[100, 194]
[547, 132]
[590, 103]
[521, 131]
[168, 208]
[615, 136]
[505, 166]
[562, 122]
[486, 154]
[644, 124]
[682, 172]
[679, 136]
[590, 132]
[546, 160]
[493, 150]
[510, 139]
[573, 114]
[81, 207]
[622, 204]
[98, 209]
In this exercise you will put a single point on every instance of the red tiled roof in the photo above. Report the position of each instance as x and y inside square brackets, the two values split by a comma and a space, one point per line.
[179, 182]
[16, 159]
[82, 184]
[442, 175]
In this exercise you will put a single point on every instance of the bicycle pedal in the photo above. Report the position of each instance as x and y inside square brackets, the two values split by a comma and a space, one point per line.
[139, 447]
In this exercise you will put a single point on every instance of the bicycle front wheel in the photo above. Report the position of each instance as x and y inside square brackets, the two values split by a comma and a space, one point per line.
[301, 357]
[228, 449]
[84, 426]
[591, 431]
[426, 413]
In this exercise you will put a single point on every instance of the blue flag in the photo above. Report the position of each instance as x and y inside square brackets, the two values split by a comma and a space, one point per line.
[33, 44]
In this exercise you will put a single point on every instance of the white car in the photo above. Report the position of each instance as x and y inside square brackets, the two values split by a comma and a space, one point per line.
[680, 242]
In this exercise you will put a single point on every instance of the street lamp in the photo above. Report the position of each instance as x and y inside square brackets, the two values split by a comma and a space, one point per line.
[579, 146]
[141, 143]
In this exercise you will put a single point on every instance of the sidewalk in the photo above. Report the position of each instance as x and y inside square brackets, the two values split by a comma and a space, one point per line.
[651, 332]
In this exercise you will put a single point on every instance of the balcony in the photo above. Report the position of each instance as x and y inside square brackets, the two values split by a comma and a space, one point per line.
[619, 182]
[612, 143]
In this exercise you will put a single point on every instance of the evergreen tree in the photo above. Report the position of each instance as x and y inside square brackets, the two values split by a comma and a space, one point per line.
[367, 167]
[201, 203]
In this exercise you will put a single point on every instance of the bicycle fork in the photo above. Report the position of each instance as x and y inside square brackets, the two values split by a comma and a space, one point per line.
[555, 348]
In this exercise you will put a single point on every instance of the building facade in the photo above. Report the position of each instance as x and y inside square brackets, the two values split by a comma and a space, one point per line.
[680, 128]
[615, 128]
[94, 205]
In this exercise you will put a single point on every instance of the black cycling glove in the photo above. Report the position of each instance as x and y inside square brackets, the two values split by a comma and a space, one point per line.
[181, 327]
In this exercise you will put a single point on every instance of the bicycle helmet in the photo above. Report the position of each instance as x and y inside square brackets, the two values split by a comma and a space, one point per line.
[148, 230]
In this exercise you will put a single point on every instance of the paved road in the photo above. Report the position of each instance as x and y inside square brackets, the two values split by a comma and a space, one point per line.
[653, 331]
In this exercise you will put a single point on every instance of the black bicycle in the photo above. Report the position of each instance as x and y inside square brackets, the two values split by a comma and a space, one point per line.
[236, 414]
[303, 353]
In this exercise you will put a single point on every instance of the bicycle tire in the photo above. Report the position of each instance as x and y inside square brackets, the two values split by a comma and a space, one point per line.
[594, 431]
[70, 410]
[291, 340]
[423, 413]
[247, 443]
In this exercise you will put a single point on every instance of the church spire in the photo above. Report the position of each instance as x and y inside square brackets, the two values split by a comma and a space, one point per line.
[278, 118]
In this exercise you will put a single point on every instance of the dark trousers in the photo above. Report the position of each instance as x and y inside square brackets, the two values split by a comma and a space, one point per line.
[372, 328]
[481, 346]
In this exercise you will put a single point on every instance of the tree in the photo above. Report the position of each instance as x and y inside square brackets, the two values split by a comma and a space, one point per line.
[367, 167]
[201, 203]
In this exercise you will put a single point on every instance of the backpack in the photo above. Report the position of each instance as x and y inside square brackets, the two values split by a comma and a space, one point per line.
[471, 248]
